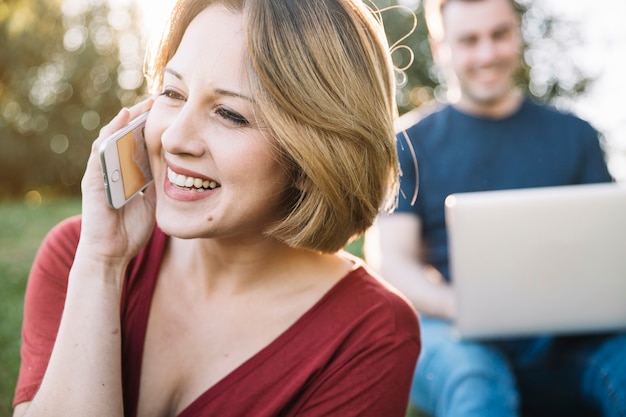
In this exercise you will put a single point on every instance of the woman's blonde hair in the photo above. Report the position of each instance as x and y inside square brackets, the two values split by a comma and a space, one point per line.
[323, 81]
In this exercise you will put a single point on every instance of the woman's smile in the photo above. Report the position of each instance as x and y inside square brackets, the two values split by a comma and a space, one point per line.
[190, 183]
[187, 186]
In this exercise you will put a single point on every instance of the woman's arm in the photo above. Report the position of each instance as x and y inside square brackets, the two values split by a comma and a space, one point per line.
[83, 376]
[84, 373]
[20, 409]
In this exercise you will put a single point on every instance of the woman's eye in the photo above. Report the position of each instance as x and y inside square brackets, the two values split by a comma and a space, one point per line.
[232, 117]
[172, 94]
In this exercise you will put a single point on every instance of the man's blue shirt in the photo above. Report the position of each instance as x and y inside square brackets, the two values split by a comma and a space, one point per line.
[537, 146]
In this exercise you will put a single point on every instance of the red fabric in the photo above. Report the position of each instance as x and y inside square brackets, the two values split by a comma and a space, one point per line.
[352, 354]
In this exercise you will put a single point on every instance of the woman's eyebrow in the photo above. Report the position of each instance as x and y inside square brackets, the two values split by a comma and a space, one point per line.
[174, 73]
[218, 91]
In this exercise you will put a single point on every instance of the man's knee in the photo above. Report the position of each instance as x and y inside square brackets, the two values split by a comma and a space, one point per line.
[458, 372]
[605, 375]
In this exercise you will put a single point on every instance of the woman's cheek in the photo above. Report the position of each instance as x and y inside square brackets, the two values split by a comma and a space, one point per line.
[153, 129]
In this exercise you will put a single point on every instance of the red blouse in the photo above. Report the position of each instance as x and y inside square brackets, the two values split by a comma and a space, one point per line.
[352, 354]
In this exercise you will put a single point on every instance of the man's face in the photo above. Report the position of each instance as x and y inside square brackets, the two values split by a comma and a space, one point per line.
[484, 45]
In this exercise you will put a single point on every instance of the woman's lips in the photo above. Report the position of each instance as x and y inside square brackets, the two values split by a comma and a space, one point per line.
[189, 182]
[187, 187]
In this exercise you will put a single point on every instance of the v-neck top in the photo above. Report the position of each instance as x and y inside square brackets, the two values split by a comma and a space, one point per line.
[352, 354]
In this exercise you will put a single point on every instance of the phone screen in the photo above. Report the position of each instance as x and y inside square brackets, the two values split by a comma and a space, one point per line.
[134, 165]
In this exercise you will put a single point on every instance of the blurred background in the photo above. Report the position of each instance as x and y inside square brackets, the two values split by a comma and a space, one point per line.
[67, 66]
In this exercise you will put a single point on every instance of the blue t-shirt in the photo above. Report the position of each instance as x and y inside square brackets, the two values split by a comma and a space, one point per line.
[537, 146]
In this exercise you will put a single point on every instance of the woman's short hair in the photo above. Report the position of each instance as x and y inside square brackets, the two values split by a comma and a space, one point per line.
[323, 80]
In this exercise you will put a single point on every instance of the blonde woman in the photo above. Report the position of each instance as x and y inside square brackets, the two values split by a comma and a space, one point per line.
[223, 290]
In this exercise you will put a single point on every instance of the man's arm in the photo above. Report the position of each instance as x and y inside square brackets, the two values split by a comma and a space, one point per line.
[397, 251]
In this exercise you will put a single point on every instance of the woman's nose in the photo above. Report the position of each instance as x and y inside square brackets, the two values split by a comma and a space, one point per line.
[182, 136]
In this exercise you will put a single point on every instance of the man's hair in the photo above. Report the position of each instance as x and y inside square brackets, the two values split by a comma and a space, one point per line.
[323, 82]
[434, 9]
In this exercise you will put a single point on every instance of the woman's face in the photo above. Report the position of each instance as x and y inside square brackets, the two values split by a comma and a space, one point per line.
[214, 169]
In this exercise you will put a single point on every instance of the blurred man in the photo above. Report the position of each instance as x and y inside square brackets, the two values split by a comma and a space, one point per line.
[491, 137]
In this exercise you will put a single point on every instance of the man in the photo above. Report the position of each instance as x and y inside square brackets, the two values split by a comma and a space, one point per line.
[491, 137]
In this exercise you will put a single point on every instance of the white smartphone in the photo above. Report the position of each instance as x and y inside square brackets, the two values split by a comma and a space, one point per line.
[125, 164]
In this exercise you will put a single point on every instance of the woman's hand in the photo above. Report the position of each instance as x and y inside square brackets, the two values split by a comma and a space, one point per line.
[114, 235]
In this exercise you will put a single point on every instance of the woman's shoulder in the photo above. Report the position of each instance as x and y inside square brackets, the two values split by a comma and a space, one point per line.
[58, 248]
[67, 230]
[364, 295]
[59, 245]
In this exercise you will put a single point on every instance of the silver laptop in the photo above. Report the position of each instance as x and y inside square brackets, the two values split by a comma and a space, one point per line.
[538, 260]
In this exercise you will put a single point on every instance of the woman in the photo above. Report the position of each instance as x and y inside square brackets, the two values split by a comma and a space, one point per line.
[271, 142]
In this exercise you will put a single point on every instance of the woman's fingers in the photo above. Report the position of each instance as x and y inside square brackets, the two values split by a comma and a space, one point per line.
[141, 107]
[124, 116]
[92, 180]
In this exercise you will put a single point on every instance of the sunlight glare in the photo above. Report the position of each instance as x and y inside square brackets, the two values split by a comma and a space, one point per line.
[154, 14]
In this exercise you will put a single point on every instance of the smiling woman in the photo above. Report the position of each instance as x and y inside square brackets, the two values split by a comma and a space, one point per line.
[271, 146]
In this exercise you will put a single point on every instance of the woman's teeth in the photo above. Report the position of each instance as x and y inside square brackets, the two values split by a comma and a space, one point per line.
[190, 182]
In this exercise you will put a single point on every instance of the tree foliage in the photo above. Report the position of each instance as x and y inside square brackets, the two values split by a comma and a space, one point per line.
[65, 68]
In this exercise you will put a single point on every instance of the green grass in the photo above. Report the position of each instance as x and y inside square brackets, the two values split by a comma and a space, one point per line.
[22, 227]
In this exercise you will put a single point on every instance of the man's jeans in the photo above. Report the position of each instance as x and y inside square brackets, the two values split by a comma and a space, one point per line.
[546, 376]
